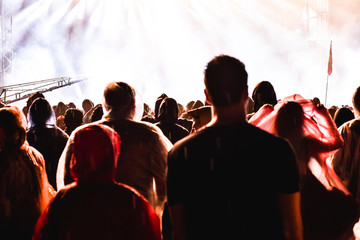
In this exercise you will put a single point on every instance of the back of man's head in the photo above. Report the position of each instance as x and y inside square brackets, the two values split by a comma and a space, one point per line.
[120, 97]
[356, 99]
[225, 80]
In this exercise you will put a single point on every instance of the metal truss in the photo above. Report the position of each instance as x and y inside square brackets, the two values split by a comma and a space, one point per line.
[6, 46]
[17, 92]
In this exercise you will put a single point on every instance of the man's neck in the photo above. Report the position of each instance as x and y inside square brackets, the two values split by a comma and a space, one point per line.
[356, 114]
[228, 115]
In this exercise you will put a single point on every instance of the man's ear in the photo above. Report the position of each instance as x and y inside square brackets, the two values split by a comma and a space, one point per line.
[246, 94]
[207, 99]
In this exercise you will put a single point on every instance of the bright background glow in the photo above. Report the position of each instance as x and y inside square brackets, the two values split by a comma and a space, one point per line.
[163, 46]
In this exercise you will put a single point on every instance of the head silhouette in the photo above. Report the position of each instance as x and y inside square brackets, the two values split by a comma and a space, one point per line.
[225, 80]
[168, 111]
[289, 119]
[263, 93]
[356, 100]
[41, 113]
[12, 128]
[95, 152]
[119, 99]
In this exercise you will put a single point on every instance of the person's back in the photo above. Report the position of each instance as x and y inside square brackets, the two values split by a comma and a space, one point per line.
[95, 206]
[24, 188]
[231, 180]
[167, 121]
[142, 163]
[327, 213]
[102, 211]
[346, 161]
[45, 136]
[228, 185]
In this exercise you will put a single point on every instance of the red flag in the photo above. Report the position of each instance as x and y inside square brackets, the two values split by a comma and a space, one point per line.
[330, 60]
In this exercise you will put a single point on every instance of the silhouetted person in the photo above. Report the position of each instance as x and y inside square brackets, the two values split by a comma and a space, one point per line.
[45, 136]
[24, 187]
[60, 109]
[200, 117]
[95, 206]
[142, 162]
[343, 115]
[30, 100]
[221, 181]
[326, 214]
[157, 106]
[97, 114]
[148, 115]
[168, 116]
[346, 161]
[71, 105]
[332, 110]
[196, 105]
[328, 210]
[73, 118]
[87, 109]
[263, 93]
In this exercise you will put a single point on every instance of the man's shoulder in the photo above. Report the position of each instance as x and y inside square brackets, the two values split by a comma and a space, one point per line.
[247, 132]
[130, 124]
[350, 127]
[138, 131]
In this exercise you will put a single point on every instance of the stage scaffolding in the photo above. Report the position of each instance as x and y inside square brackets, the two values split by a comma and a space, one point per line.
[6, 47]
[17, 92]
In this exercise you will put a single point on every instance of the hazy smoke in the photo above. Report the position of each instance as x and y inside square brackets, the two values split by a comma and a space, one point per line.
[163, 46]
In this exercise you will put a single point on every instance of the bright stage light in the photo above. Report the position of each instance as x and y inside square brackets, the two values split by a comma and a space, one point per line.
[162, 46]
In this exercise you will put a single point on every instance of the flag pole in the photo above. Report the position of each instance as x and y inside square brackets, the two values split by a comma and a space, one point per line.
[329, 71]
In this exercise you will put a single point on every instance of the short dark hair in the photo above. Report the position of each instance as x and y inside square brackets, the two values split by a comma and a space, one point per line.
[356, 99]
[225, 80]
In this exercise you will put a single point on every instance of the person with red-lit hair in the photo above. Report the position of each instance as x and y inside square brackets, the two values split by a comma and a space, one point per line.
[328, 211]
[95, 206]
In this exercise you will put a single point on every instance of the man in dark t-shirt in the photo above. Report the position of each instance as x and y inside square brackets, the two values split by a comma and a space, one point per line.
[232, 180]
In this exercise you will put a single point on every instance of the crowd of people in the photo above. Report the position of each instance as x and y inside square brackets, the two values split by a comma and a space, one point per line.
[232, 166]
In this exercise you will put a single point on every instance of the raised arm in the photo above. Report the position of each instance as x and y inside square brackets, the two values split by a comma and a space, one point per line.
[331, 138]
[289, 205]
